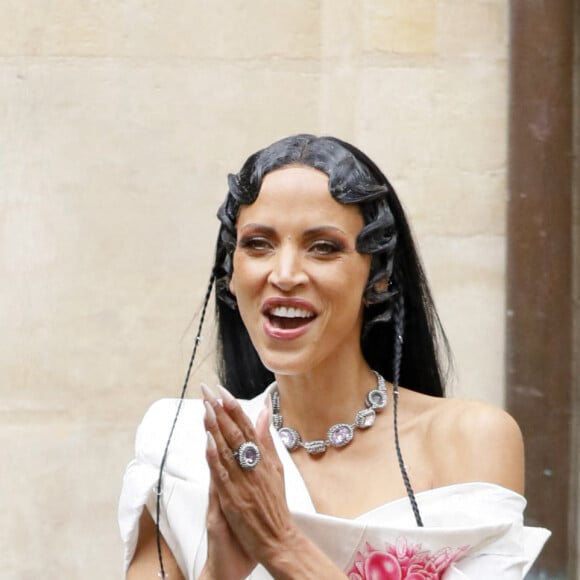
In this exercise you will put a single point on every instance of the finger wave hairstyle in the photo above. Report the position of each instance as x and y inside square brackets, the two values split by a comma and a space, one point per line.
[402, 336]
[397, 286]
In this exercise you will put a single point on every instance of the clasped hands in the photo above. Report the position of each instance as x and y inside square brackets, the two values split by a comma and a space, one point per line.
[248, 520]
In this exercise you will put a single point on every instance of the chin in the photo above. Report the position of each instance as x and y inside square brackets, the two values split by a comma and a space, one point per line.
[287, 363]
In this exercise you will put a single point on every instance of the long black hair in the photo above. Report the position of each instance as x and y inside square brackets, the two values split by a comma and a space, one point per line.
[398, 304]
[396, 285]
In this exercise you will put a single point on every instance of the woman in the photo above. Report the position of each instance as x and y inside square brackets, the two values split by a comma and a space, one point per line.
[312, 465]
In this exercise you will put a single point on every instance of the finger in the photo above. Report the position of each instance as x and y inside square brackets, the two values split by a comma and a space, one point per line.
[219, 453]
[228, 429]
[213, 507]
[216, 523]
[236, 413]
[263, 432]
[220, 473]
[214, 516]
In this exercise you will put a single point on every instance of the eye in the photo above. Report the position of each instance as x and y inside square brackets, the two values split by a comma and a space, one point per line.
[326, 247]
[256, 244]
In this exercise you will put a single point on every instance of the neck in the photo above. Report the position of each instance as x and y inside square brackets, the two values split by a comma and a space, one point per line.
[331, 393]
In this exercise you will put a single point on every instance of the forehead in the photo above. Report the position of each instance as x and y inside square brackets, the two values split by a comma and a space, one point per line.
[299, 193]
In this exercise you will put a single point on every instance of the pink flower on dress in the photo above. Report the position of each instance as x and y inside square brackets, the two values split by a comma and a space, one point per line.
[403, 561]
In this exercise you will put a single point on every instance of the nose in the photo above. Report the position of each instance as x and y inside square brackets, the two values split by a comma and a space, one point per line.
[287, 269]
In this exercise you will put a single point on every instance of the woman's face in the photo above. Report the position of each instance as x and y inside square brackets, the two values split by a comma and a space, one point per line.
[297, 276]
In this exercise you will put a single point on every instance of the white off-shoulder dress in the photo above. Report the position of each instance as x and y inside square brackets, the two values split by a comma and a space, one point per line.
[472, 530]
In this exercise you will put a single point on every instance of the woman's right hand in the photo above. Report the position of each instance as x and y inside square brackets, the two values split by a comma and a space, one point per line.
[225, 557]
[252, 504]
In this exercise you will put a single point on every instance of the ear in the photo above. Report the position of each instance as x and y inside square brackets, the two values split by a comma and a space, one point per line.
[232, 285]
[381, 285]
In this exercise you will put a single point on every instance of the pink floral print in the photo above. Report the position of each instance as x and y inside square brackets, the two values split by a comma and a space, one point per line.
[403, 561]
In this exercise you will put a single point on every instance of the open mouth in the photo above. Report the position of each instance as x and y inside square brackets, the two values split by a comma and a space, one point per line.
[289, 318]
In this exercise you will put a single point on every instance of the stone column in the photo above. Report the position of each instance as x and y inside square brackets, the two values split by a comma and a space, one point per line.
[539, 268]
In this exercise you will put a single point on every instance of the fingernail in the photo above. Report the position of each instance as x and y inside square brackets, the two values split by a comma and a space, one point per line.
[264, 415]
[211, 446]
[269, 405]
[210, 418]
[208, 394]
[228, 399]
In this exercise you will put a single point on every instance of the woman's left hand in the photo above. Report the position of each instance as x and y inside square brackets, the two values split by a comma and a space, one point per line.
[252, 500]
[225, 557]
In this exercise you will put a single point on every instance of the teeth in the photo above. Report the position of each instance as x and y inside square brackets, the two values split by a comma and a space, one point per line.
[284, 312]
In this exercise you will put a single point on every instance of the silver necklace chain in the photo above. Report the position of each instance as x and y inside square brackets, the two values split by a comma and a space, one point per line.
[340, 434]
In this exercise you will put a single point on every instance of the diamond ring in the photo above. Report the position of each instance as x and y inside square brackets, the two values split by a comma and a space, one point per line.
[247, 455]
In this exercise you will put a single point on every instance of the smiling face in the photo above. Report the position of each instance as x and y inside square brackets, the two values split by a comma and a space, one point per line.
[297, 276]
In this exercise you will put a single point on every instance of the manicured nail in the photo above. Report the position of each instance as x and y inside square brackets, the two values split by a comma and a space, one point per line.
[208, 394]
[210, 418]
[211, 446]
[264, 415]
[228, 399]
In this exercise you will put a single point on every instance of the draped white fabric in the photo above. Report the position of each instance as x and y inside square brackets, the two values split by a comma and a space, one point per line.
[472, 530]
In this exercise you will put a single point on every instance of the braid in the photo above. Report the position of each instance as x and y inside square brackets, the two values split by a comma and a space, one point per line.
[399, 326]
[159, 489]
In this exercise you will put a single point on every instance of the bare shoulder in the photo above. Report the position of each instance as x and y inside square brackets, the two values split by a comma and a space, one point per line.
[474, 441]
[476, 421]
[485, 443]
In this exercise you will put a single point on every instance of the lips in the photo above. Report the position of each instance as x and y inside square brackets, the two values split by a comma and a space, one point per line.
[287, 318]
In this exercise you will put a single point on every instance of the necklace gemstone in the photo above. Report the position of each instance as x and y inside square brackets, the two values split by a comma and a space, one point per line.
[377, 399]
[290, 437]
[365, 418]
[340, 434]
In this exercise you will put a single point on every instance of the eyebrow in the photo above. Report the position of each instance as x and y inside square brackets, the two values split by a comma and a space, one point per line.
[309, 232]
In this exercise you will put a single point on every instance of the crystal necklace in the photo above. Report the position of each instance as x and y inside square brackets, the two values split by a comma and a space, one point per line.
[340, 434]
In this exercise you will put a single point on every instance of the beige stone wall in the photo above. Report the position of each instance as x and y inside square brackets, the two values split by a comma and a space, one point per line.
[118, 124]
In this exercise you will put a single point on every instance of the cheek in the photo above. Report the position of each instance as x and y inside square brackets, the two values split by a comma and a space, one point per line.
[359, 275]
[246, 276]
[234, 277]
[346, 288]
